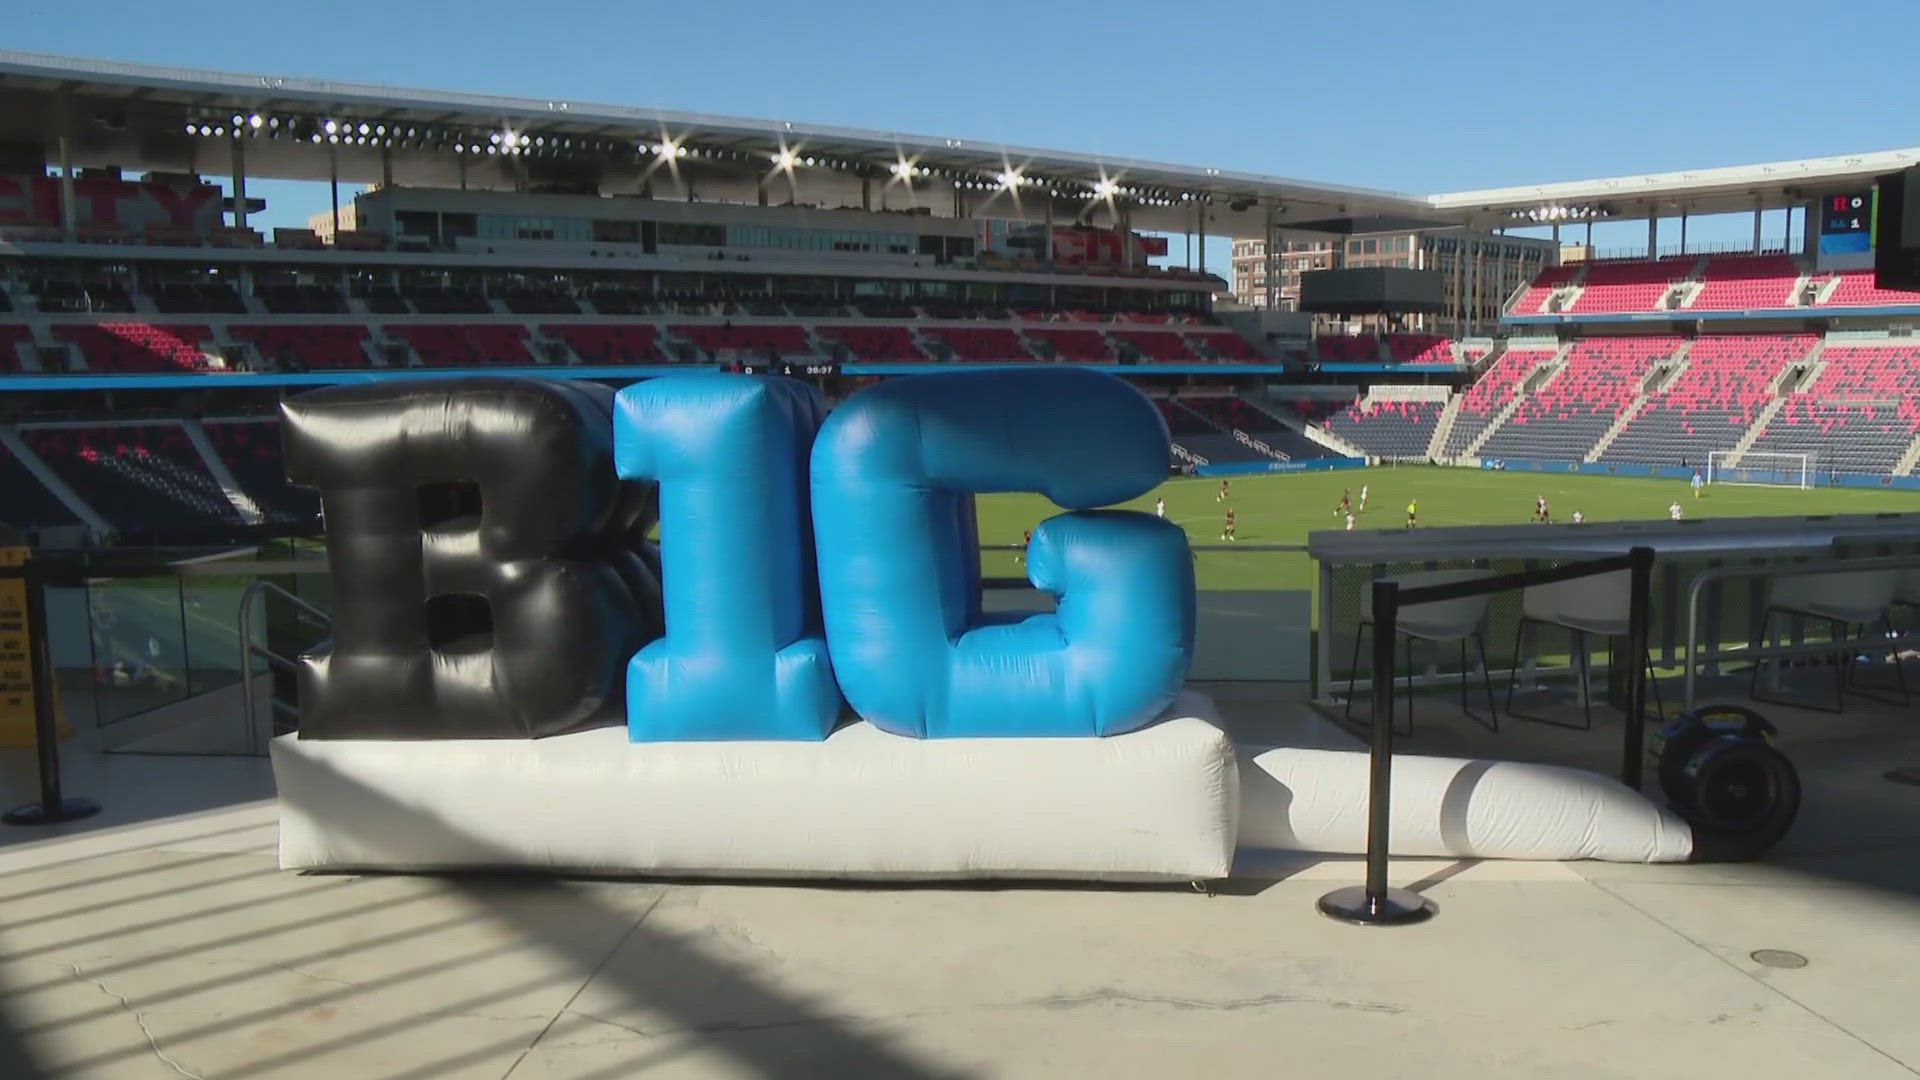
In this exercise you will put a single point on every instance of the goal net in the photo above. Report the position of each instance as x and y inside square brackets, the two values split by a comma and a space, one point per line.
[1761, 468]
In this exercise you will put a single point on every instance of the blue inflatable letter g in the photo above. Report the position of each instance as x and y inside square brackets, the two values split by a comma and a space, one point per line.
[894, 473]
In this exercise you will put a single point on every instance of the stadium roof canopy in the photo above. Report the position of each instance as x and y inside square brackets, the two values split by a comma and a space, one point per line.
[143, 119]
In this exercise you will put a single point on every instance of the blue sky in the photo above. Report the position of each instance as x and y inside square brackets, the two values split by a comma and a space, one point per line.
[1411, 95]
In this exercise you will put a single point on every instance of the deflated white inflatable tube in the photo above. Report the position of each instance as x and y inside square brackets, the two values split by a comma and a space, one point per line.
[1316, 800]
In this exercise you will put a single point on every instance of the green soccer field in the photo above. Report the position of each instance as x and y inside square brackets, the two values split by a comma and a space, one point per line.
[1283, 509]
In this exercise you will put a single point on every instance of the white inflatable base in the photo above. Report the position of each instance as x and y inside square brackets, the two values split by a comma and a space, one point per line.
[1152, 805]
[1295, 799]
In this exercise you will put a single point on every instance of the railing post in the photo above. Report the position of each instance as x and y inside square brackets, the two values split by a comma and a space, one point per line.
[1638, 613]
[53, 806]
[1376, 903]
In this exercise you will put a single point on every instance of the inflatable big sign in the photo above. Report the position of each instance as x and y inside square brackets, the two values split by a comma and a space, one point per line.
[492, 576]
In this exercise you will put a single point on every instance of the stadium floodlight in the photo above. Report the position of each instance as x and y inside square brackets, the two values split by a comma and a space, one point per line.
[332, 127]
[1010, 179]
[256, 121]
[783, 159]
[1104, 189]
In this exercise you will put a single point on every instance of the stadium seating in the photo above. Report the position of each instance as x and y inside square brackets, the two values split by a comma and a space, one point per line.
[1397, 429]
[447, 300]
[529, 300]
[1484, 400]
[251, 452]
[1564, 418]
[1534, 299]
[1226, 345]
[986, 344]
[1419, 349]
[1348, 348]
[1736, 282]
[296, 299]
[630, 343]
[876, 344]
[754, 339]
[140, 478]
[306, 348]
[115, 347]
[1858, 416]
[470, 345]
[1858, 290]
[1230, 414]
[11, 337]
[1712, 403]
[1162, 346]
[1629, 286]
[27, 503]
[81, 296]
[184, 298]
[1073, 346]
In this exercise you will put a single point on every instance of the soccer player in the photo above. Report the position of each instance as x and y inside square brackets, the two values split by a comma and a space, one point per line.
[1413, 512]
[1227, 533]
[1673, 512]
[1698, 483]
[1160, 507]
[1026, 541]
[1363, 498]
[1346, 502]
[1539, 508]
[1349, 521]
[1579, 517]
[1224, 493]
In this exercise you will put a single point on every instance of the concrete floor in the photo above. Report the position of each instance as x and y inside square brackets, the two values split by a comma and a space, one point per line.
[159, 941]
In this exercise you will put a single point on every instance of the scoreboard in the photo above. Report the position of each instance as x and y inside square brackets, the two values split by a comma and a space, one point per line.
[1846, 223]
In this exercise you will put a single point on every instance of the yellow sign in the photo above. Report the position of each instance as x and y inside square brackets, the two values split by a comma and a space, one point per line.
[16, 659]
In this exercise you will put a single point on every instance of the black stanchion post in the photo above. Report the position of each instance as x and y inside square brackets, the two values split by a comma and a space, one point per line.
[1639, 606]
[53, 807]
[1376, 903]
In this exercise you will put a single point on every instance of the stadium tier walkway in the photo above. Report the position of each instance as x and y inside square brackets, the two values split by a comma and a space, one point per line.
[160, 941]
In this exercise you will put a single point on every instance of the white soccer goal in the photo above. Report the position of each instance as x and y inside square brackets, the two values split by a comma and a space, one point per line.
[1761, 468]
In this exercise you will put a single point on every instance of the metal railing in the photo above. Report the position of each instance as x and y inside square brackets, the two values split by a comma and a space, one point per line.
[249, 649]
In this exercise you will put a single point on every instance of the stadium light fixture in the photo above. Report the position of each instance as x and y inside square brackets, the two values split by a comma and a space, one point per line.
[1105, 189]
[332, 127]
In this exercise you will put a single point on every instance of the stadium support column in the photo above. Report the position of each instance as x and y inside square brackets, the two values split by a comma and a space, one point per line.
[1683, 230]
[1200, 235]
[461, 161]
[1267, 250]
[239, 184]
[760, 191]
[69, 208]
[386, 167]
[866, 193]
[1756, 224]
[333, 186]
[1653, 232]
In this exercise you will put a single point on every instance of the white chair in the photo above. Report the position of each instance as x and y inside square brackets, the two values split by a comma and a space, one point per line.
[1596, 606]
[1844, 600]
[1439, 622]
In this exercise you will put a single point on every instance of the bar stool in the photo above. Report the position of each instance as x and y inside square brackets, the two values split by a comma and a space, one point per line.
[1843, 600]
[1600, 606]
[1439, 621]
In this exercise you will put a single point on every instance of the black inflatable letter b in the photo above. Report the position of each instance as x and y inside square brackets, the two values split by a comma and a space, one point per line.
[490, 577]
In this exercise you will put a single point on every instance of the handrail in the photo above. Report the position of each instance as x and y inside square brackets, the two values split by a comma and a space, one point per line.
[248, 650]
[1721, 573]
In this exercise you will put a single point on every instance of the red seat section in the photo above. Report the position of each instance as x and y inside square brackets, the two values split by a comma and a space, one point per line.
[627, 343]
[10, 338]
[1563, 419]
[464, 345]
[1629, 286]
[1348, 348]
[1710, 405]
[1738, 282]
[1226, 345]
[1858, 290]
[333, 345]
[1420, 349]
[139, 347]
[1535, 298]
[1074, 346]
[757, 339]
[1157, 345]
[878, 344]
[986, 344]
[1858, 416]
[1485, 398]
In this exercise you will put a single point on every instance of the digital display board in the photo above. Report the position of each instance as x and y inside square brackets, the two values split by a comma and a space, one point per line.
[1846, 223]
